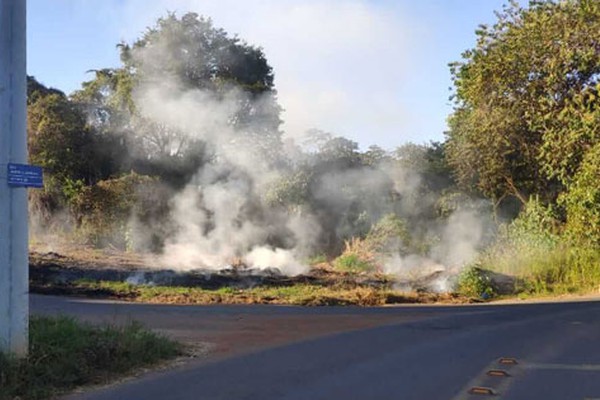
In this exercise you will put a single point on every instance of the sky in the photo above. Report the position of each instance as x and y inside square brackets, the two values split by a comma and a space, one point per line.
[375, 71]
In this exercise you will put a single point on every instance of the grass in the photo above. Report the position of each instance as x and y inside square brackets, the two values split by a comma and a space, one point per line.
[317, 259]
[358, 256]
[297, 294]
[551, 270]
[65, 354]
[564, 271]
[352, 263]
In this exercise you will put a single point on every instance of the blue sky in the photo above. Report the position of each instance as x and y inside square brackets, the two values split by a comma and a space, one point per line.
[373, 71]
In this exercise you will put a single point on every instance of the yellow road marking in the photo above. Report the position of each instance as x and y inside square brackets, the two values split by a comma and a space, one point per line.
[498, 372]
[482, 390]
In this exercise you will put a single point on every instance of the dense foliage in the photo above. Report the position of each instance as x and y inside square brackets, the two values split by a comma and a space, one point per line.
[525, 131]
[526, 100]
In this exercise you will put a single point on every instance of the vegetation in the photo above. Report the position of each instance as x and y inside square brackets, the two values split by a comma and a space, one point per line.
[524, 133]
[65, 354]
[473, 283]
[526, 99]
[297, 294]
[538, 250]
[358, 256]
[524, 136]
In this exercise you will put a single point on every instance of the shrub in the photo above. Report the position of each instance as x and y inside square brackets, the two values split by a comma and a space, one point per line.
[473, 282]
[523, 242]
[389, 235]
[352, 263]
[317, 259]
[103, 211]
[545, 258]
[565, 269]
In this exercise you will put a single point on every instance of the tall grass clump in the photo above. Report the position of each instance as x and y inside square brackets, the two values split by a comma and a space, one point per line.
[358, 256]
[545, 257]
[366, 254]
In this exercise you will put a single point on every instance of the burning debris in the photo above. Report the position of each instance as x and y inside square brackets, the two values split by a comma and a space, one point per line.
[52, 269]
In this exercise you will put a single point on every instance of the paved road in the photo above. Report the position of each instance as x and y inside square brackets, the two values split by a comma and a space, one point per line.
[404, 353]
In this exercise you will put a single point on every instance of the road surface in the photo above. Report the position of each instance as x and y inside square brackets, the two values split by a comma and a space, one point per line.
[413, 352]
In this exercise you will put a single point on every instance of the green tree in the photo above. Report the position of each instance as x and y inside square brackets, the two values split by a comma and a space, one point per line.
[61, 143]
[517, 128]
[374, 156]
[582, 201]
[36, 90]
[57, 137]
[193, 54]
[427, 162]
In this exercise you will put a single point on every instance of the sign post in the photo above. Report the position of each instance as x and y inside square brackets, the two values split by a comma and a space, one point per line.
[14, 262]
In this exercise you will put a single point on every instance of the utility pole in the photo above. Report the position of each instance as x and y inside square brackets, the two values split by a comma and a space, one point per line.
[14, 254]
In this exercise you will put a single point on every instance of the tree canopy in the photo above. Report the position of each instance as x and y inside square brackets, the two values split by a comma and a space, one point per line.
[191, 54]
[526, 107]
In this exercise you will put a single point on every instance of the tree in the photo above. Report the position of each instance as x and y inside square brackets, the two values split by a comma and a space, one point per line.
[36, 90]
[582, 201]
[57, 136]
[519, 94]
[192, 54]
[427, 163]
[374, 156]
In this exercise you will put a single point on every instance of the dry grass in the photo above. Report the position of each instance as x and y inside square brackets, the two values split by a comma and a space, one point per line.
[359, 256]
[299, 294]
[93, 273]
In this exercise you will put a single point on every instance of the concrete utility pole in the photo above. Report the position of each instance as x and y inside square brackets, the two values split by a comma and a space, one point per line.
[14, 257]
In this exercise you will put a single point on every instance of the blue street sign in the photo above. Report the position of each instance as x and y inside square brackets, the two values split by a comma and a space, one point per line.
[23, 175]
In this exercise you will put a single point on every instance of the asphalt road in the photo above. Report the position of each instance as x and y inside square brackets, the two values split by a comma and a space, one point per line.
[422, 353]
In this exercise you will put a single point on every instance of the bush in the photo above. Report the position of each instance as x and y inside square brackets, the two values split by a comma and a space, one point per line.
[473, 282]
[564, 269]
[317, 259]
[546, 259]
[103, 211]
[524, 242]
[352, 263]
[389, 235]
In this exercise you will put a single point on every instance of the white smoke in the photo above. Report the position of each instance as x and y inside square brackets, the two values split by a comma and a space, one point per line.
[283, 260]
[222, 218]
[213, 213]
[216, 227]
[461, 238]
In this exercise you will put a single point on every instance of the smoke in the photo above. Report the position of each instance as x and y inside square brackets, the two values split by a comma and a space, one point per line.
[222, 216]
[460, 238]
[283, 260]
[253, 201]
